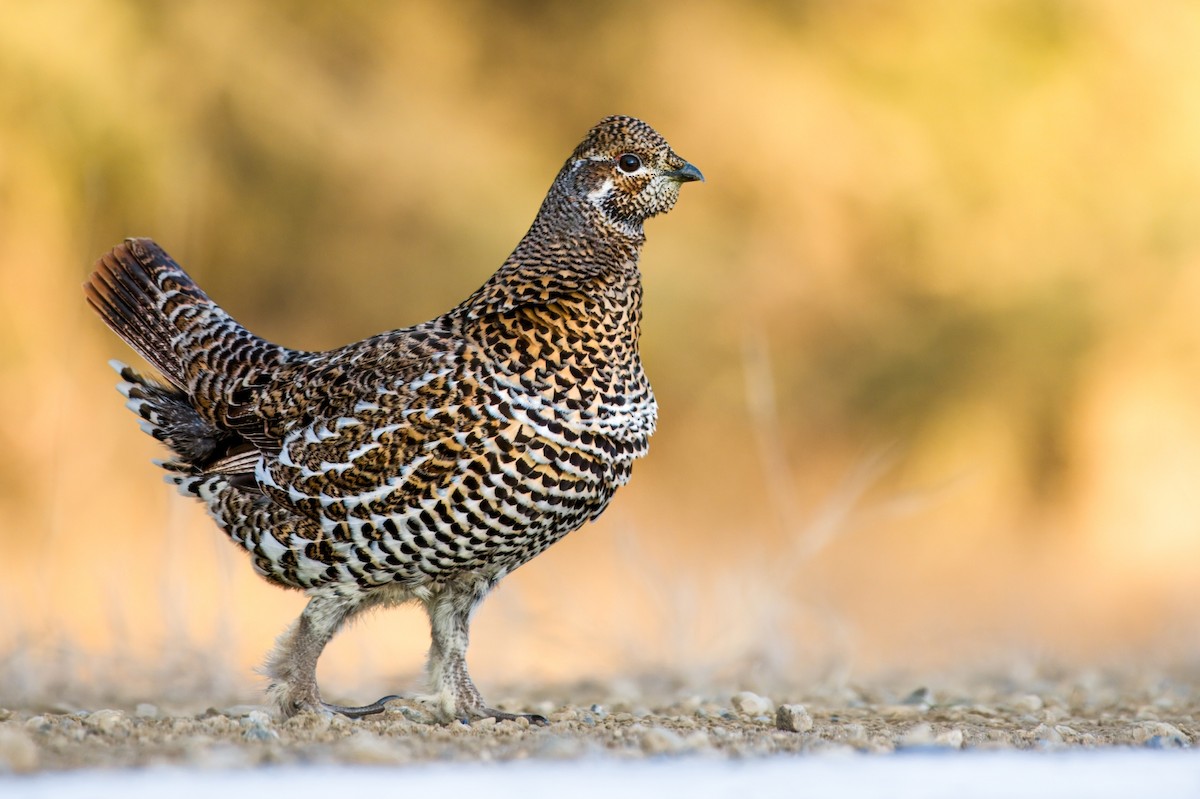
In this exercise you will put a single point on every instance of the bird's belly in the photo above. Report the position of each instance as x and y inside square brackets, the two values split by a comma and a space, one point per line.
[486, 500]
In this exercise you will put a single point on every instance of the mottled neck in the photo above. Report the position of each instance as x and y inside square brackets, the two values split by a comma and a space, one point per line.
[570, 250]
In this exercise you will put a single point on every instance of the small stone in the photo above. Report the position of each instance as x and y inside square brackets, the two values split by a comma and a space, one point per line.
[257, 717]
[256, 732]
[145, 710]
[107, 721]
[918, 735]
[661, 741]
[954, 738]
[881, 745]
[920, 696]
[39, 723]
[18, 752]
[752, 704]
[218, 724]
[1030, 703]
[1161, 742]
[1163, 728]
[1047, 735]
[856, 734]
[793, 718]
[1066, 731]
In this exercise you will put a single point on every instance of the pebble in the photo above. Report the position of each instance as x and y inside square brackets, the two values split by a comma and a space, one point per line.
[145, 710]
[661, 741]
[107, 721]
[752, 704]
[855, 734]
[1167, 732]
[257, 717]
[921, 696]
[39, 723]
[1066, 731]
[1047, 736]
[1163, 728]
[260, 734]
[1030, 703]
[954, 738]
[918, 735]
[18, 752]
[258, 727]
[793, 718]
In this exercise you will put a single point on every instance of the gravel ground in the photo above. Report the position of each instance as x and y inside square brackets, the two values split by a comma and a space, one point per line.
[1079, 711]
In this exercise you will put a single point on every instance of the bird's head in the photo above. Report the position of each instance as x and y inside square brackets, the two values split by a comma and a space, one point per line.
[624, 168]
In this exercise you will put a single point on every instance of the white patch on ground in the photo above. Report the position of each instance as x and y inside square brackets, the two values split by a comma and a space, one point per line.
[928, 775]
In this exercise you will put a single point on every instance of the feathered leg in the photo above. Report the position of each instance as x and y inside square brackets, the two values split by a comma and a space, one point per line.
[455, 695]
[292, 666]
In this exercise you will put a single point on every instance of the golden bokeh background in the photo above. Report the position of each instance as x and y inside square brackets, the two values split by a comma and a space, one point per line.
[926, 344]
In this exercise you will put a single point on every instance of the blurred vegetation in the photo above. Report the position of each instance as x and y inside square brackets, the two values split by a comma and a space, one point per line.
[961, 233]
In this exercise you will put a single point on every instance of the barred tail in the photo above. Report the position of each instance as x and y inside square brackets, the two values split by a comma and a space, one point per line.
[150, 302]
[212, 365]
[166, 414]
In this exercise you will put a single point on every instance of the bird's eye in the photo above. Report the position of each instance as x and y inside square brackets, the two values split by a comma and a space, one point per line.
[629, 163]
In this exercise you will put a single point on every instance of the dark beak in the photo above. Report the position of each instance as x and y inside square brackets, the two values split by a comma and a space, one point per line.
[685, 174]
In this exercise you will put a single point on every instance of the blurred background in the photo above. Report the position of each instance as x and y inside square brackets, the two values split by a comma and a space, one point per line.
[925, 344]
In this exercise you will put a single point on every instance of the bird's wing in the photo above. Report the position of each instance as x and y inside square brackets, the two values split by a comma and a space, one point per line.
[387, 431]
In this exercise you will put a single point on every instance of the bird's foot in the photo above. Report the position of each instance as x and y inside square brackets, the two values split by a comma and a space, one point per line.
[501, 715]
[378, 706]
[303, 697]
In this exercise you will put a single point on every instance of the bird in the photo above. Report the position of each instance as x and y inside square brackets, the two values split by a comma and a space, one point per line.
[426, 463]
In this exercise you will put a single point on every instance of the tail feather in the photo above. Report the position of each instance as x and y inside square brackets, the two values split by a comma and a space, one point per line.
[133, 290]
[165, 413]
[210, 363]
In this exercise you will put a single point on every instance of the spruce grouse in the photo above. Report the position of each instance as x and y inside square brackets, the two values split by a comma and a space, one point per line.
[424, 463]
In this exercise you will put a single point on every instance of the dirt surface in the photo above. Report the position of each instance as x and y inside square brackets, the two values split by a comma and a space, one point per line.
[626, 721]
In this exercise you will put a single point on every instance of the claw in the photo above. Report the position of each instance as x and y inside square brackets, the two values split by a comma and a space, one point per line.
[500, 715]
[378, 706]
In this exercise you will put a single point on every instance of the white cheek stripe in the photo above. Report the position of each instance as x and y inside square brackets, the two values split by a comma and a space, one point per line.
[602, 192]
